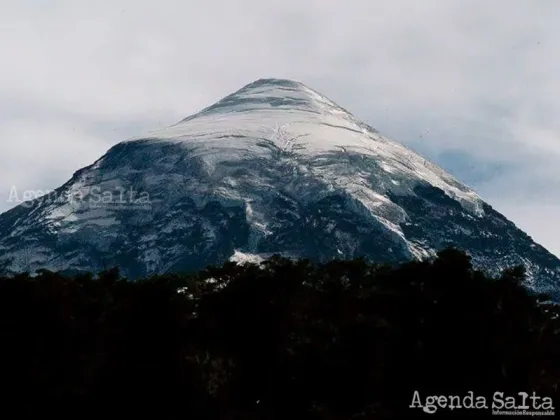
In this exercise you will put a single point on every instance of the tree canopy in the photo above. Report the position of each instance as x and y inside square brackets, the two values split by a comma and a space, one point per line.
[286, 339]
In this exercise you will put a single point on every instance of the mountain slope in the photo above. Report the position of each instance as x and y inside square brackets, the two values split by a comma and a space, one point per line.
[273, 168]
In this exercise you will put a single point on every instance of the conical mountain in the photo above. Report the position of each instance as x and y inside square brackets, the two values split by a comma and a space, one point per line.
[275, 167]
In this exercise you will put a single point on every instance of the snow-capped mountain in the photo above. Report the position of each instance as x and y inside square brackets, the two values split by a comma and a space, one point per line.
[274, 168]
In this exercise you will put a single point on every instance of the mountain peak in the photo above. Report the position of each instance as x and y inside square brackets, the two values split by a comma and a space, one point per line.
[286, 117]
[273, 168]
[272, 81]
[271, 94]
[281, 87]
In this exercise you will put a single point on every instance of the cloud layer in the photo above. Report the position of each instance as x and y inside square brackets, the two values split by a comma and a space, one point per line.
[472, 85]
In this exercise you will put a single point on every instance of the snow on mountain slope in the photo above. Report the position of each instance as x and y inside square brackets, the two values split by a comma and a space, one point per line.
[273, 168]
[295, 119]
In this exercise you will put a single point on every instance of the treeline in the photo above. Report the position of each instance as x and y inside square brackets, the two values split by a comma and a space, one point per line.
[288, 339]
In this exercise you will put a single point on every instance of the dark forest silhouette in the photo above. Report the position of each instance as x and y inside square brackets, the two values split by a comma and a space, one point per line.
[291, 339]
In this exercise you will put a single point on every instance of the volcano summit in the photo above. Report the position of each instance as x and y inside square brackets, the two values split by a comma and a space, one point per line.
[274, 168]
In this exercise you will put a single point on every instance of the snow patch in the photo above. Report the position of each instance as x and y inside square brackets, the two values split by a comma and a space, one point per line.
[245, 258]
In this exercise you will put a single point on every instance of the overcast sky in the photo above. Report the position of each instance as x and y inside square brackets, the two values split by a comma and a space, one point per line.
[473, 85]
